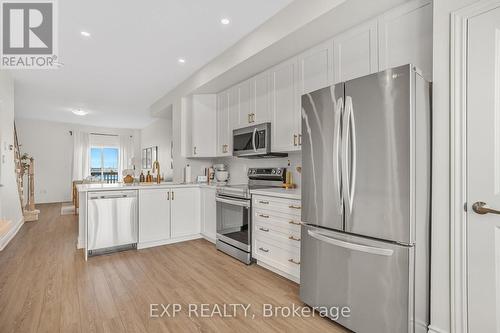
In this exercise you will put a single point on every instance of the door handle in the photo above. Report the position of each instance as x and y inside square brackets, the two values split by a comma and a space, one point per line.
[481, 208]
[264, 229]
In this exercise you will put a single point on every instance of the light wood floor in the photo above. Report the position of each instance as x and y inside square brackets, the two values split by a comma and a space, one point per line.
[46, 286]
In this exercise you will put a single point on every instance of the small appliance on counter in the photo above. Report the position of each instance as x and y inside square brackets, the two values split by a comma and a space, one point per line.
[234, 211]
[221, 173]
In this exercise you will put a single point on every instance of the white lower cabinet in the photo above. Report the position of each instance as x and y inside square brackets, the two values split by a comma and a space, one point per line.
[276, 235]
[168, 215]
[185, 212]
[208, 213]
[154, 215]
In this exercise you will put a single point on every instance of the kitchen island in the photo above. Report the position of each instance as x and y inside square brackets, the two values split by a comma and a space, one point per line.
[161, 213]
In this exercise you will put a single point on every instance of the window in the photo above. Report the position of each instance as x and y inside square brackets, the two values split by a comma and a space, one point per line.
[104, 163]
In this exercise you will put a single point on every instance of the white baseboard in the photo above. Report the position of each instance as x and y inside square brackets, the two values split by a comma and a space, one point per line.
[168, 241]
[208, 238]
[12, 232]
[433, 329]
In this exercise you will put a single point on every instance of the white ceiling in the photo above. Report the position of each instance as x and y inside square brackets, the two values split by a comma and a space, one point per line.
[131, 58]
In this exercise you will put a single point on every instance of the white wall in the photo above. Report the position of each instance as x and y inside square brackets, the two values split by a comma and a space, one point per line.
[159, 133]
[10, 207]
[51, 145]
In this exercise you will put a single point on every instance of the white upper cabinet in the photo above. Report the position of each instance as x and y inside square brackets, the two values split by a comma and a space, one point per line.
[154, 215]
[284, 106]
[223, 125]
[405, 36]
[355, 52]
[241, 104]
[204, 126]
[185, 205]
[316, 68]
[259, 99]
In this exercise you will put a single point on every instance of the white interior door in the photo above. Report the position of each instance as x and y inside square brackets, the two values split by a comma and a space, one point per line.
[483, 159]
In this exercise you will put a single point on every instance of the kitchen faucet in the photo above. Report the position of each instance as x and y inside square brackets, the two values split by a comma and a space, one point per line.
[156, 166]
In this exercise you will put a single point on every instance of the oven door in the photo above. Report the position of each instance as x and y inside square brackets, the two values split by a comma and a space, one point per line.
[233, 221]
[254, 140]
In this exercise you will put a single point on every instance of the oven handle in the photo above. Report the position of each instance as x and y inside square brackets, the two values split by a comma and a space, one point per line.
[241, 203]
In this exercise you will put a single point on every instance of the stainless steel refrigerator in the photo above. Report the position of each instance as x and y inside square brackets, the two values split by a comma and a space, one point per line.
[366, 177]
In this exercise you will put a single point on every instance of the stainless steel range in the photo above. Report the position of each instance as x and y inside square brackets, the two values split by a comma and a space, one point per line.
[234, 211]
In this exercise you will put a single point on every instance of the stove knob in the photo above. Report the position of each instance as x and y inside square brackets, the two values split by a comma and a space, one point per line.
[279, 172]
[274, 171]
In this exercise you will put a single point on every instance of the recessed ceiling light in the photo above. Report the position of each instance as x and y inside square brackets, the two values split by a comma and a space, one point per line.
[85, 33]
[225, 21]
[80, 112]
[181, 61]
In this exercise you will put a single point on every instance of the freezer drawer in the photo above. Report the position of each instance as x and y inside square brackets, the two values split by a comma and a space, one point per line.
[373, 278]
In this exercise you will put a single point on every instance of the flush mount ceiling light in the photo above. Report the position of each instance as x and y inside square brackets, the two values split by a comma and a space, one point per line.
[80, 112]
[181, 61]
[85, 33]
[225, 21]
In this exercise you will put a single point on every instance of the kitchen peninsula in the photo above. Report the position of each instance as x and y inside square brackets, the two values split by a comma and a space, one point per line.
[144, 215]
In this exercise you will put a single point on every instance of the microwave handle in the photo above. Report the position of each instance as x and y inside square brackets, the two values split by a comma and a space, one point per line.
[253, 139]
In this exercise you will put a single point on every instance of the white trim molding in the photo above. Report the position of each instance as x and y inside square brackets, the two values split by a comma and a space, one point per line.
[458, 170]
[4, 241]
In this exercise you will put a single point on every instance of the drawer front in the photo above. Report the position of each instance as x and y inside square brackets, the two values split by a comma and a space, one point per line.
[286, 261]
[282, 221]
[287, 239]
[288, 206]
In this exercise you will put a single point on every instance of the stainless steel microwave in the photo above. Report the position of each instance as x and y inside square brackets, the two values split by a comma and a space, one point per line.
[254, 142]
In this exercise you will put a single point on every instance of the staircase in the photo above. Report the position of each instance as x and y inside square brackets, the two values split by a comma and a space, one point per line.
[29, 211]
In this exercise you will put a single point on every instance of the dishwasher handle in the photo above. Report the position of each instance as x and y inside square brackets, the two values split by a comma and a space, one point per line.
[108, 195]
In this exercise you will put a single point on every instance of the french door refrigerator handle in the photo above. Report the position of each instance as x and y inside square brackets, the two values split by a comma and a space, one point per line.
[349, 141]
[339, 110]
[349, 245]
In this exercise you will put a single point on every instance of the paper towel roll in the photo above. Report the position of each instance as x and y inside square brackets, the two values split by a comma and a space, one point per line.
[187, 174]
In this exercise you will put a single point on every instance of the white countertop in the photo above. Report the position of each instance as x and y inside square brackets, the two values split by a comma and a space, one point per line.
[279, 192]
[122, 186]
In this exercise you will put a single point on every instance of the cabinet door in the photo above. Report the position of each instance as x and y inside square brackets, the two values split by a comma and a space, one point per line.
[223, 126]
[284, 98]
[316, 68]
[355, 52]
[405, 37]
[154, 215]
[185, 204]
[259, 98]
[242, 104]
[204, 131]
[208, 213]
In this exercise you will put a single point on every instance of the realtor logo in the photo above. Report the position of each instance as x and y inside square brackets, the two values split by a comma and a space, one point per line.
[28, 34]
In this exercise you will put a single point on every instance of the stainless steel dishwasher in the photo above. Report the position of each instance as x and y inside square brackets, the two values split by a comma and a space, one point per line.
[112, 221]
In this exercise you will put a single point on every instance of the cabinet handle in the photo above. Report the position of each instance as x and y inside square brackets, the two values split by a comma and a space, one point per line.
[294, 262]
[293, 238]
[263, 249]
[168, 195]
[264, 229]
[264, 216]
[173, 195]
[264, 202]
[249, 116]
[253, 117]
[194, 150]
[300, 139]
[294, 207]
[295, 137]
[293, 222]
